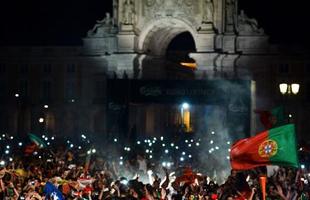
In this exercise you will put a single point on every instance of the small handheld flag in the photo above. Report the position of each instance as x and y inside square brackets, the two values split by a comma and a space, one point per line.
[38, 141]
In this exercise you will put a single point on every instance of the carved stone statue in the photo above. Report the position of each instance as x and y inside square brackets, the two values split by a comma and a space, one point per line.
[128, 12]
[209, 12]
[115, 10]
[248, 25]
[230, 12]
[107, 21]
[105, 25]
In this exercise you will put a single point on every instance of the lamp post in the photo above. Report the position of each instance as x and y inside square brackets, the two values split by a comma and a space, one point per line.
[288, 89]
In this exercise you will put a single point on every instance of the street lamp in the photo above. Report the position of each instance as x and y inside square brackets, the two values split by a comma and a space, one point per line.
[185, 106]
[289, 88]
[295, 88]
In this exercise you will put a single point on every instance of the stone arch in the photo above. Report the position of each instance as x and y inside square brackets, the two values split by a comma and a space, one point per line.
[155, 38]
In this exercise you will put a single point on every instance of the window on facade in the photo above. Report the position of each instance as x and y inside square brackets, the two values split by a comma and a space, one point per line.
[46, 90]
[71, 68]
[70, 90]
[23, 88]
[283, 68]
[24, 69]
[47, 68]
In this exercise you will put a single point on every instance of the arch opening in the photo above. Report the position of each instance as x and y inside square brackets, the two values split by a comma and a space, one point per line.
[168, 50]
[179, 49]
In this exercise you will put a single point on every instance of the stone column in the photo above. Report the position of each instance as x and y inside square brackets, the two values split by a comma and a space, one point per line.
[230, 15]
[205, 41]
[218, 23]
[122, 63]
[229, 65]
[115, 11]
[205, 65]
[138, 66]
[229, 43]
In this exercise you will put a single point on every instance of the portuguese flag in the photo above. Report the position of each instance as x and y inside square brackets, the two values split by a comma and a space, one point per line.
[276, 146]
[38, 141]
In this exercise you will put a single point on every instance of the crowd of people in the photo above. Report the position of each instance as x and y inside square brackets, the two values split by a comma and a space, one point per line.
[64, 173]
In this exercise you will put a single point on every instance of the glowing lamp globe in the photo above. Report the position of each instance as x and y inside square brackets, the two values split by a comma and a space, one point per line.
[283, 88]
[295, 88]
[185, 106]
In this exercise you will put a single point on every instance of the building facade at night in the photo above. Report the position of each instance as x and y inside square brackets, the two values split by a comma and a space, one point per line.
[121, 80]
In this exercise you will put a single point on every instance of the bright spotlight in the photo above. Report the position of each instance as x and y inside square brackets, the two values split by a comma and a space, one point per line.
[185, 106]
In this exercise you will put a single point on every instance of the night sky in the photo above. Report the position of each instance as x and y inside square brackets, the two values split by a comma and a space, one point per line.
[64, 22]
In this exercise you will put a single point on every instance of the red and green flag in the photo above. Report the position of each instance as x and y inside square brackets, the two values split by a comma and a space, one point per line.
[271, 118]
[276, 146]
[30, 148]
[38, 141]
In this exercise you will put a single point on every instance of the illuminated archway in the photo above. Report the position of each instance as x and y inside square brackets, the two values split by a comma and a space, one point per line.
[156, 37]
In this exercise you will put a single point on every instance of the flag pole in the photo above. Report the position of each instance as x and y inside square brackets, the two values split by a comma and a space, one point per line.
[262, 181]
[87, 163]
